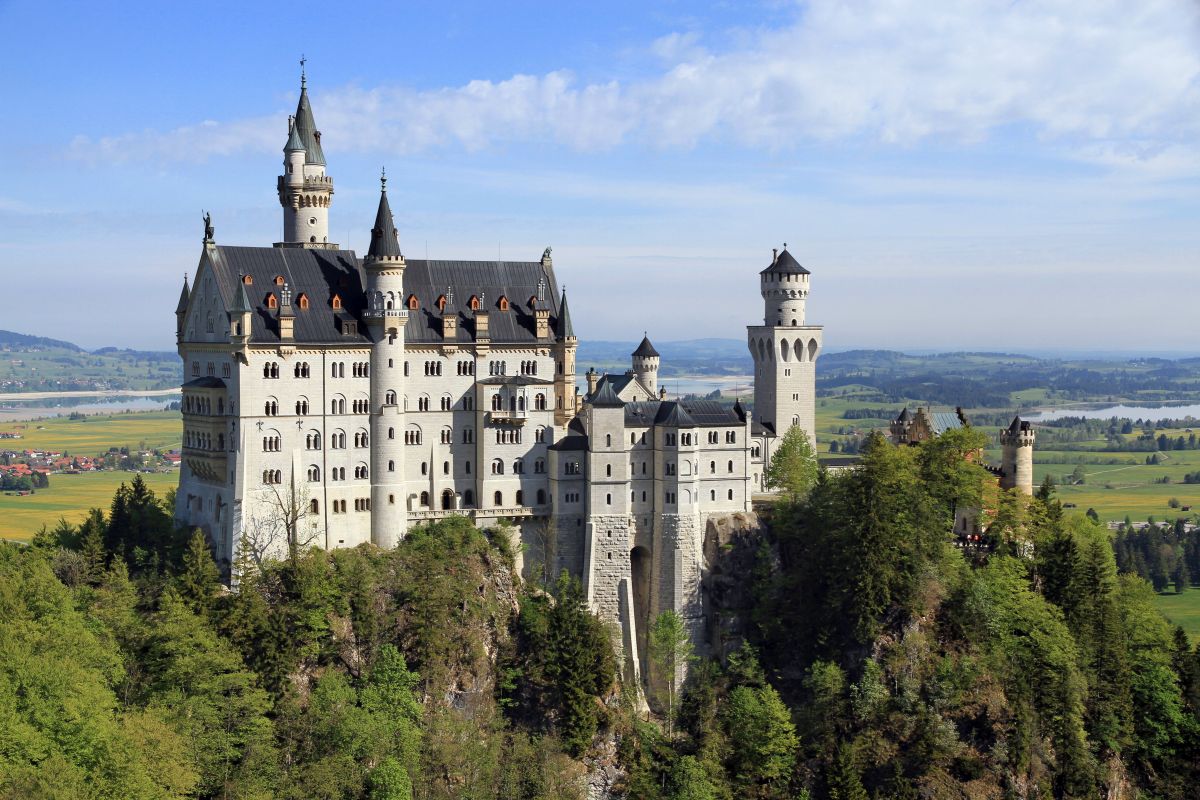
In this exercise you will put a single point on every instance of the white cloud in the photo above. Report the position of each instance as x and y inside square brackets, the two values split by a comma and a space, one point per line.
[1110, 82]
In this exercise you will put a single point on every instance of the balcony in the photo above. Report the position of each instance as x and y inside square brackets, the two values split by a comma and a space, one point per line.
[508, 417]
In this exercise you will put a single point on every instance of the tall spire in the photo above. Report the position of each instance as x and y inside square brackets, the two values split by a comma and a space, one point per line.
[565, 329]
[385, 242]
[242, 304]
[306, 128]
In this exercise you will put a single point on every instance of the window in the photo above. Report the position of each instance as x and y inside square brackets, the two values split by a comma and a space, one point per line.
[447, 435]
[712, 467]
[497, 467]
[539, 466]
[712, 495]
[540, 434]
[390, 398]
[518, 468]
[224, 370]
[731, 437]
[498, 499]
[336, 302]
[468, 436]
[302, 301]
[413, 302]
[468, 498]
[503, 305]
[337, 440]
[271, 408]
[447, 402]
[571, 468]
[520, 498]
[423, 403]
[392, 467]
[608, 440]
[541, 497]
[248, 280]
[312, 441]
[313, 507]
[425, 499]
[731, 494]
[608, 470]
[731, 466]
[314, 474]
[301, 407]
[412, 435]
[271, 369]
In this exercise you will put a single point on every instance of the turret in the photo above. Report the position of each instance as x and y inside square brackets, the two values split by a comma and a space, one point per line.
[239, 316]
[385, 316]
[181, 309]
[1016, 458]
[784, 287]
[645, 366]
[305, 191]
[564, 384]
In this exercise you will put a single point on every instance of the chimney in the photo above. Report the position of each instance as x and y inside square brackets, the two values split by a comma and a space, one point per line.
[593, 378]
[774, 254]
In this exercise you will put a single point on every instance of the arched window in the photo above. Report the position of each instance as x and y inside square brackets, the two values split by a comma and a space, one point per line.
[248, 280]
[271, 301]
[539, 402]
[497, 403]
[731, 466]
[712, 467]
[502, 303]
[302, 301]
[336, 302]
[541, 497]
[520, 499]
[497, 467]
[313, 506]
[425, 499]
[314, 474]
[608, 440]
[413, 303]
[468, 498]
[498, 499]
[473, 303]
[390, 398]
[392, 466]
[447, 500]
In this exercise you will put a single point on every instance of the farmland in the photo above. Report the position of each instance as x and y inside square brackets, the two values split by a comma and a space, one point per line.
[69, 497]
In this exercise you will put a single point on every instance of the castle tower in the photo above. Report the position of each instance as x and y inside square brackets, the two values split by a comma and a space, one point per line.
[564, 381]
[645, 366]
[785, 350]
[305, 191]
[385, 318]
[1016, 458]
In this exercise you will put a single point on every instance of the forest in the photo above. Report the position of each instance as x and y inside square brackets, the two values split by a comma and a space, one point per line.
[876, 660]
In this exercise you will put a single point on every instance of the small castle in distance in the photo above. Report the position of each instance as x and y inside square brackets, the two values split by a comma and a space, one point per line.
[332, 400]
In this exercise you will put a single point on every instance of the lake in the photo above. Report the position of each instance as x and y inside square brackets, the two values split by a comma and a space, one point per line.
[1122, 411]
[18, 410]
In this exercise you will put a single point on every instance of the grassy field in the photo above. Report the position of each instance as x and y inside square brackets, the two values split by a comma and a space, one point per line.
[69, 497]
[1182, 610]
[94, 435]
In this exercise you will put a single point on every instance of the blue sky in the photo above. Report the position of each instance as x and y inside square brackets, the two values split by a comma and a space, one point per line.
[1004, 175]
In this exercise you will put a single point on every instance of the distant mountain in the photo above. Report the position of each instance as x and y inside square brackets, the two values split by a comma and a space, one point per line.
[22, 341]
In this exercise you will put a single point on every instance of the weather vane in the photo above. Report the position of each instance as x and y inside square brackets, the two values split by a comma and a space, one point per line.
[303, 61]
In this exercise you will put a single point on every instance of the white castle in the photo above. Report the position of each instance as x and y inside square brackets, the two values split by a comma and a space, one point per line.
[332, 400]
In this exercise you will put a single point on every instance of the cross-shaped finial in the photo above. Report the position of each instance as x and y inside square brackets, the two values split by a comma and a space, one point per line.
[303, 61]
[383, 179]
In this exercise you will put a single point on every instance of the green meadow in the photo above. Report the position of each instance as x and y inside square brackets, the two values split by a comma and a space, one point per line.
[150, 430]
[1182, 610]
[69, 497]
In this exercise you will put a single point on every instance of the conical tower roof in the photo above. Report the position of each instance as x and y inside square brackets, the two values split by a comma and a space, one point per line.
[306, 129]
[605, 397]
[785, 264]
[184, 294]
[385, 242]
[242, 304]
[565, 328]
[293, 142]
[645, 349]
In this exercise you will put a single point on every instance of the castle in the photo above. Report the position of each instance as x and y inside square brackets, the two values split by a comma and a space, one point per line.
[332, 400]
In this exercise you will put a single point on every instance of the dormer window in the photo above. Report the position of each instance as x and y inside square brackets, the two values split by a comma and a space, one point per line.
[271, 301]
[441, 302]
[474, 303]
[336, 302]
[279, 280]
[248, 280]
[349, 327]
[302, 301]
[502, 303]
[413, 302]
[533, 301]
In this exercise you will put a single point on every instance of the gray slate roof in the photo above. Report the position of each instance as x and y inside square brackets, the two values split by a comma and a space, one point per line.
[306, 128]
[563, 326]
[515, 280]
[385, 242]
[605, 397]
[785, 264]
[181, 307]
[944, 421]
[645, 349]
[320, 274]
[680, 414]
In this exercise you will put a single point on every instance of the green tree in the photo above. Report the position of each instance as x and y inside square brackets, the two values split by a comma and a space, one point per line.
[762, 738]
[844, 780]
[689, 781]
[793, 468]
[199, 581]
[390, 781]
[670, 652]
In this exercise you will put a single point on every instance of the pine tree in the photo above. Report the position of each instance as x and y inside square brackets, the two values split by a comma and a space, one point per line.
[670, 650]
[199, 580]
[91, 544]
[844, 780]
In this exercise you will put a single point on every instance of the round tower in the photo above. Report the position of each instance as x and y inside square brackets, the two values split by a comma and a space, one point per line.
[305, 191]
[784, 287]
[1016, 460]
[785, 351]
[385, 317]
[645, 366]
